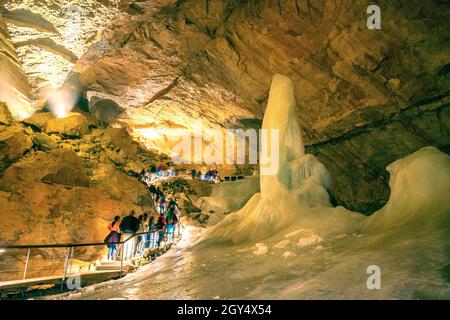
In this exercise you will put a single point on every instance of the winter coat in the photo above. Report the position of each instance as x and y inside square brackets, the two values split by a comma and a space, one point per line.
[129, 224]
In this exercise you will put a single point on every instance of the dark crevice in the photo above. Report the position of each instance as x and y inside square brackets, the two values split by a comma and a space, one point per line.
[383, 121]
[164, 91]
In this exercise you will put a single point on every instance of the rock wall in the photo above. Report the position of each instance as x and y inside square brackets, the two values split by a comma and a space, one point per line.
[14, 86]
[59, 187]
[50, 36]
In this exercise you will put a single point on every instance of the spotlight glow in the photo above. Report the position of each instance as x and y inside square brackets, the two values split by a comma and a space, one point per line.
[61, 101]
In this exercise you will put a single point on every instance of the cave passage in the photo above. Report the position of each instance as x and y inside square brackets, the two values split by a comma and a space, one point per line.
[226, 149]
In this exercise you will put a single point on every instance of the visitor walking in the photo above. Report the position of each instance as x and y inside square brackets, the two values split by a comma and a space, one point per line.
[172, 221]
[140, 238]
[150, 237]
[129, 226]
[162, 204]
[113, 238]
[161, 227]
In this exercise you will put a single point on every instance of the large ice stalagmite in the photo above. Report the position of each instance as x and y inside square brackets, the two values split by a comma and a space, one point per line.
[291, 181]
[280, 115]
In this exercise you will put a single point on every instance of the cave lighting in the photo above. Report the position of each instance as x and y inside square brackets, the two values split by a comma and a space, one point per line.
[18, 104]
[61, 101]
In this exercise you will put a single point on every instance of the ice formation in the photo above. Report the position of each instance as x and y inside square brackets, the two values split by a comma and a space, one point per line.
[286, 195]
[227, 197]
[420, 193]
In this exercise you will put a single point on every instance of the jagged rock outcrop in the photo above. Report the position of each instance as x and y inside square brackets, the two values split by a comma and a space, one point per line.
[14, 86]
[74, 125]
[14, 142]
[58, 188]
[59, 167]
[38, 120]
[5, 114]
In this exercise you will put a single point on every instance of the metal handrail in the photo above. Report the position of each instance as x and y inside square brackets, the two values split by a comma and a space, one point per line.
[71, 246]
[67, 245]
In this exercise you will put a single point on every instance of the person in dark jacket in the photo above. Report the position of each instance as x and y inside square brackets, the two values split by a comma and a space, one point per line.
[129, 226]
[153, 191]
[171, 222]
[149, 240]
[161, 227]
[140, 238]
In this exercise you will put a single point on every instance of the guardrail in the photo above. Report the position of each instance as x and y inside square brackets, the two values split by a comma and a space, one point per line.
[151, 243]
[234, 178]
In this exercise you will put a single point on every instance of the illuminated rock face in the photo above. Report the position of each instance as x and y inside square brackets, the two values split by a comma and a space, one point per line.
[74, 125]
[59, 188]
[50, 36]
[14, 87]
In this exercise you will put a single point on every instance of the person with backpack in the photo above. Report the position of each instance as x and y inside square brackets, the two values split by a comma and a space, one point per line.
[113, 238]
[161, 227]
[172, 221]
[149, 239]
[129, 226]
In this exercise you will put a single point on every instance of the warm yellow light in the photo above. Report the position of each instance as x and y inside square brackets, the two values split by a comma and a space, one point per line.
[18, 104]
[61, 101]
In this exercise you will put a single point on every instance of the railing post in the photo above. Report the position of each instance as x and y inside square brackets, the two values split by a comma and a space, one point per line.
[122, 253]
[71, 259]
[26, 264]
[65, 267]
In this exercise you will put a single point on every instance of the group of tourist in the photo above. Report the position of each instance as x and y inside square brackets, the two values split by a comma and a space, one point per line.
[155, 233]
[157, 172]
[161, 171]
[210, 175]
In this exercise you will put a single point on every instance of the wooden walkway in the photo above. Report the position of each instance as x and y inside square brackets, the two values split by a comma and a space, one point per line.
[86, 278]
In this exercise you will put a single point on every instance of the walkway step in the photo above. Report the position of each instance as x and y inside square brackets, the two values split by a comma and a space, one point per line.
[110, 263]
[113, 268]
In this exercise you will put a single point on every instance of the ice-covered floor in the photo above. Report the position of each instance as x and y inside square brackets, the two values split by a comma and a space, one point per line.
[293, 265]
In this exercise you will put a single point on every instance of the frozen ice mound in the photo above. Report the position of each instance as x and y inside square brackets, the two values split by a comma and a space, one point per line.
[420, 193]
